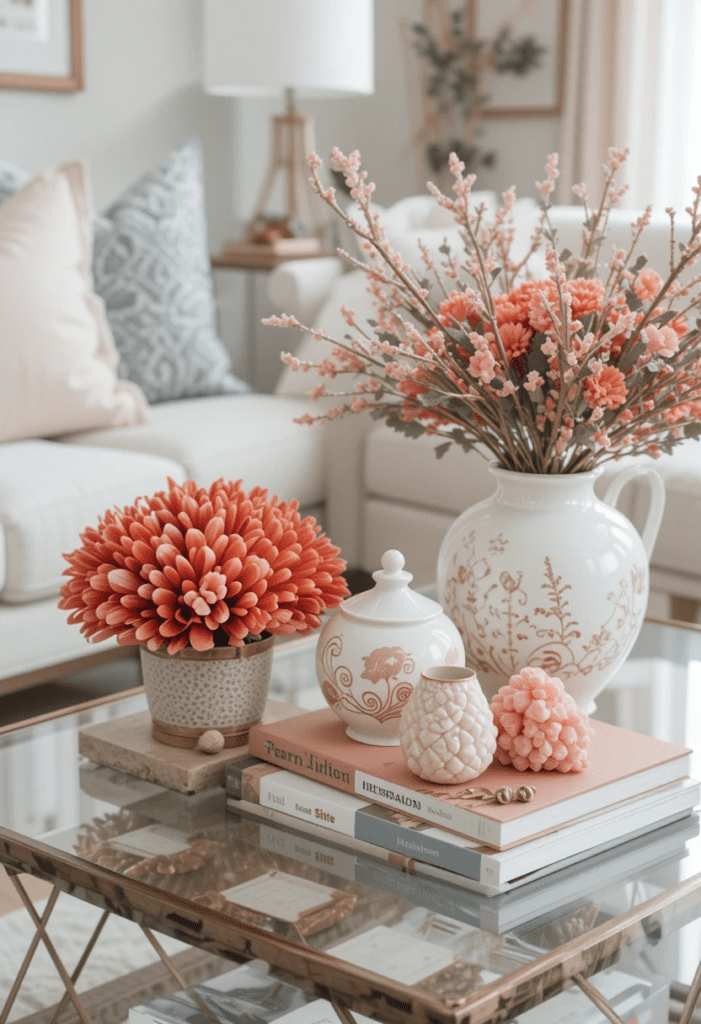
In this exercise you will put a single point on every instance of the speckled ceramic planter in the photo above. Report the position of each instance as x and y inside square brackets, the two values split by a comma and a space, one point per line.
[191, 692]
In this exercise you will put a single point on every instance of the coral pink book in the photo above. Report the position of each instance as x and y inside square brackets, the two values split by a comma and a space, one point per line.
[623, 765]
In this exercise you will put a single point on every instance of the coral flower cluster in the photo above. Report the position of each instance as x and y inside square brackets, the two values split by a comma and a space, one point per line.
[539, 725]
[596, 358]
[202, 568]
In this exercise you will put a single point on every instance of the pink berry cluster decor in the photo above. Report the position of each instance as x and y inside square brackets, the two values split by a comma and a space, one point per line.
[539, 725]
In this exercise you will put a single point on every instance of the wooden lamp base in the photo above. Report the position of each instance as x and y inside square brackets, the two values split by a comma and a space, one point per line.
[293, 141]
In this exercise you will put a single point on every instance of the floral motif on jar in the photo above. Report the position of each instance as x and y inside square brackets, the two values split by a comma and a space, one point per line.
[504, 611]
[383, 665]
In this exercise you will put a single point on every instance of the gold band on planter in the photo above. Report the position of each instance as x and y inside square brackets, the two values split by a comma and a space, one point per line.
[179, 736]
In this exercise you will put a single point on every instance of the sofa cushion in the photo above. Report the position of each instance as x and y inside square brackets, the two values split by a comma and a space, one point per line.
[249, 437]
[417, 532]
[151, 267]
[406, 469]
[676, 549]
[50, 492]
[398, 469]
[36, 635]
[56, 350]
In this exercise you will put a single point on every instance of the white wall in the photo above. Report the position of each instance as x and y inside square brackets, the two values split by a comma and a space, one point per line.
[142, 97]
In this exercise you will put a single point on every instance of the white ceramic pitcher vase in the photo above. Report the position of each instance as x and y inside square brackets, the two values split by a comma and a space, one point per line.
[545, 573]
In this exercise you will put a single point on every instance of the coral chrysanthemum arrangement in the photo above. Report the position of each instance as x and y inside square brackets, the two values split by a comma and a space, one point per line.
[201, 568]
[539, 726]
[554, 375]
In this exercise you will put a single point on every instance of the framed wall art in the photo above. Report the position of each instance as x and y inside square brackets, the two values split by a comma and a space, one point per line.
[41, 45]
[535, 26]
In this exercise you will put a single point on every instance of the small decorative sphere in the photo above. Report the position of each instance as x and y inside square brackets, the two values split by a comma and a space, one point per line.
[210, 742]
[539, 726]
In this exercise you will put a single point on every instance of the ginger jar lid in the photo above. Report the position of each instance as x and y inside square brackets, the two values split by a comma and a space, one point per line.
[391, 600]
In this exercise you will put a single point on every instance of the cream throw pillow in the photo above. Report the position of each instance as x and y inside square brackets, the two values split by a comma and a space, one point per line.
[57, 356]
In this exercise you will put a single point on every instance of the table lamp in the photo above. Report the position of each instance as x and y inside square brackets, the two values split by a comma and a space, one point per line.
[275, 47]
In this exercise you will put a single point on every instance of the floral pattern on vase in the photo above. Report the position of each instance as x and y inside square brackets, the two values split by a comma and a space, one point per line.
[383, 665]
[546, 574]
[504, 618]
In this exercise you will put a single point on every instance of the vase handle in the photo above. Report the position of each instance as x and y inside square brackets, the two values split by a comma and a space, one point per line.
[657, 499]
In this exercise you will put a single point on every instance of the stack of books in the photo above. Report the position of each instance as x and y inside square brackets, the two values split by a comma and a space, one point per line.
[305, 774]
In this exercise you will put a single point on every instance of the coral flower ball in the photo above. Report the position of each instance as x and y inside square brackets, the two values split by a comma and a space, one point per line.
[539, 725]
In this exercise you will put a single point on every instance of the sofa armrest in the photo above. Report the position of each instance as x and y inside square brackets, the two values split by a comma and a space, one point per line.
[299, 287]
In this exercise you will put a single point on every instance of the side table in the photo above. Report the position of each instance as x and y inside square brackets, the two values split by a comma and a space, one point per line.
[254, 264]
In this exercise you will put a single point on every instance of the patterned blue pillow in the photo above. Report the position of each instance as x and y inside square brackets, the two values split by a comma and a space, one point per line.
[11, 179]
[151, 268]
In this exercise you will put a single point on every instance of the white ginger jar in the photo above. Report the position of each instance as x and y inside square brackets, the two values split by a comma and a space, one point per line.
[371, 652]
[446, 730]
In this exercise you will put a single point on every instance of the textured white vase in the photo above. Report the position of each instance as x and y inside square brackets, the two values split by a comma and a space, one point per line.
[192, 692]
[544, 573]
[446, 731]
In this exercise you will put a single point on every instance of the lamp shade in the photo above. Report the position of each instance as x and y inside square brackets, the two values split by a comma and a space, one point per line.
[262, 47]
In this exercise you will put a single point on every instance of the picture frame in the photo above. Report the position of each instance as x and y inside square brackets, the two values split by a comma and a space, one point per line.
[541, 94]
[41, 45]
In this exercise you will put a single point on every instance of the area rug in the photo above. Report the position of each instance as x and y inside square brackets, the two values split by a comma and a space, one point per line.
[121, 948]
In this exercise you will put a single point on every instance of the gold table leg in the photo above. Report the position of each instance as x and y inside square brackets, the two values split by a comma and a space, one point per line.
[167, 962]
[686, 1016]
[692, 998]
[9, 1002]
[41, 935]
[597, 999]
[81, 963]
[342, 1012]
[69, 981]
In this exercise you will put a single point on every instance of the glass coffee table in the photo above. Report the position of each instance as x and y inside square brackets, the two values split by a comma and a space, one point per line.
[621, 932]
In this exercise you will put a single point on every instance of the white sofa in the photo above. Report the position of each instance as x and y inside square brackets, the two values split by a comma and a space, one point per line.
[387, 490]
[50, 490]
[82, 295]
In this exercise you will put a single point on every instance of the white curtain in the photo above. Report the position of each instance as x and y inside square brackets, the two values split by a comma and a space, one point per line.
[678, 138]
[633, 80]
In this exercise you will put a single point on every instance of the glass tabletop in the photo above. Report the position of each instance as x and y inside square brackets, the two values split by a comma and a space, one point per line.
[393, 944]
